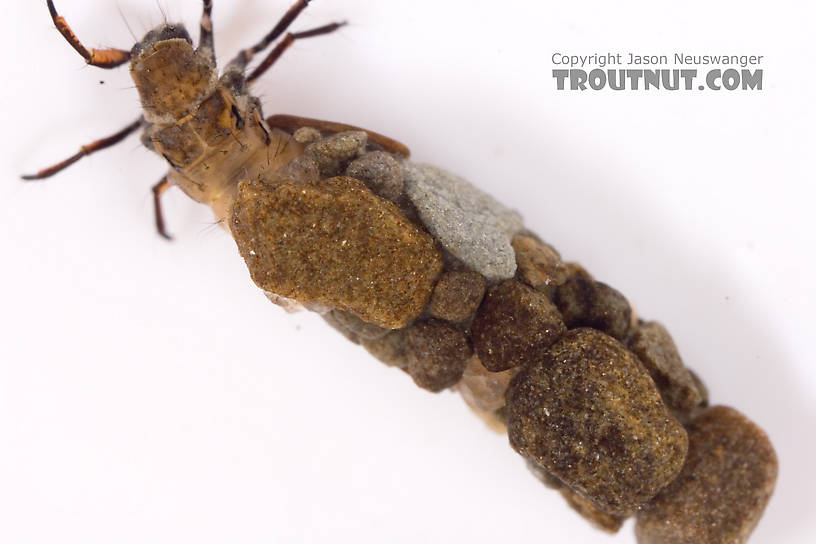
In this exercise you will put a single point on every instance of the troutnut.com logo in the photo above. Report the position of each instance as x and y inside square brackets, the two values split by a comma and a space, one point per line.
[677, 72]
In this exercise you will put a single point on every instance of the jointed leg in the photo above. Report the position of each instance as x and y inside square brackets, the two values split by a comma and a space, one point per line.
[158, 191]
[93, 147]
[244, 57]
[102, 58]
[205, 41]
[284, 44]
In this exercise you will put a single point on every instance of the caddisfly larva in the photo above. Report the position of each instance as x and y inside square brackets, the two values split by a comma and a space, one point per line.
[437, 278]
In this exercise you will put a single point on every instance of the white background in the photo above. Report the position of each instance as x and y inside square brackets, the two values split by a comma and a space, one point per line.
[150, 393]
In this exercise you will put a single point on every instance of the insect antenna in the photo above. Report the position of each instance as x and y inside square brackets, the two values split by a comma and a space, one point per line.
[85, 150]
[101, 58]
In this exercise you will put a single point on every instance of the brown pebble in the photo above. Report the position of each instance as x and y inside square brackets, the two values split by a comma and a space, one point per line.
[333, 242]
[514, 325]
[381, 173]
[597, 517]
[654, 346]
[587, 303]
[576, 270]
[590, 512]
[457, 295]
[436, 353]
[482, 389]
[539, 265]
[589, 413]
[724, 486]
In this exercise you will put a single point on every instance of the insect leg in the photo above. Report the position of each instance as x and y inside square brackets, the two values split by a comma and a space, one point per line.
[243, 58]
[87, 149]
[287, 41]
[158, 191]
[102, 58]
[205, 41]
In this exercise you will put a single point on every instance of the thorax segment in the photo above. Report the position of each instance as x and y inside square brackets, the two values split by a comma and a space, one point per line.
[220, 143]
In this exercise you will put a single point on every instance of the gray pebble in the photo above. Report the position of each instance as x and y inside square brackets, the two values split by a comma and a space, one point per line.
[471, 224]
[306, 135]
[380, 172]
[332, 152]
